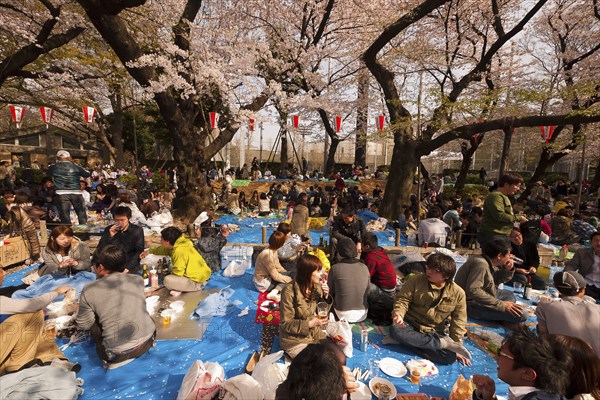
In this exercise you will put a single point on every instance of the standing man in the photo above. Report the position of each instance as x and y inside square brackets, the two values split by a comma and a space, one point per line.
[172, 175]
[586, 261]
[498, 216]
[66, 177]
[423, 305]
[482, 175]
[304, 166]
[300, 216]
[114, 308]
[127, 236]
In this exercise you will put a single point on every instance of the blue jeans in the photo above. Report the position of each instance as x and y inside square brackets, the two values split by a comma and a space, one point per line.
[63, 203]
[426, 345]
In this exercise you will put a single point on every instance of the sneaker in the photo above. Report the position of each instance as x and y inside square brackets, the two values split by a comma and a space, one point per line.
[457, 348]
[108, 365]
[274, 295]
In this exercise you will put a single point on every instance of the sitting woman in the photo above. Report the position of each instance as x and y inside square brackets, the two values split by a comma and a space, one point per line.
[300, 325]
[102, 199]
[264, 206]
[254, 201]
[190, 272]
[64, 253]
[269, 275]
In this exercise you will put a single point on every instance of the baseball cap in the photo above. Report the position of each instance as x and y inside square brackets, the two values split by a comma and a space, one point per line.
[569, 280]
[63, 153]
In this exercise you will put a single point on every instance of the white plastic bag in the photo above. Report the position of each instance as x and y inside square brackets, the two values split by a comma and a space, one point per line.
[236, 268]
[266, 373]
[341, 333]
[202, 381]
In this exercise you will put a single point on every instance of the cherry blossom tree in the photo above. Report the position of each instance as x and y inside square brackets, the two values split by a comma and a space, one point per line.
[494, 25]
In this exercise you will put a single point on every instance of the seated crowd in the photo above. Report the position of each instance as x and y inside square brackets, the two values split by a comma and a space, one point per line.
[427, 311]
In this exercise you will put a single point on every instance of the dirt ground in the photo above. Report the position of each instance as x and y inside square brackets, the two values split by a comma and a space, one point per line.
[366, 185]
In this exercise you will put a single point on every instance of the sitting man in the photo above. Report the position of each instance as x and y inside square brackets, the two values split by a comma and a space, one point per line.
[348, 282]
[114, 309]
[382, 288]
[534, 369]
[190, 271]
[586, 261]
[347, 225]
[479, 277]
[125, 235]
[575, 314]
[433, 230]
[423, 306]
[22, 332]
[525, 268]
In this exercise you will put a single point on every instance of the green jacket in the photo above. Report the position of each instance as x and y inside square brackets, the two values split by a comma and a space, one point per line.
[186, 260]
[416, 303]
[498, 216]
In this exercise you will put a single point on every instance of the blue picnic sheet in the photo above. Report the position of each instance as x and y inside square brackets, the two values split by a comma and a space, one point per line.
[230, 340]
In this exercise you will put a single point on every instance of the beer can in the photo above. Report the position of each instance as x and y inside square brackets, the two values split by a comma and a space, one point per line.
[364, 340]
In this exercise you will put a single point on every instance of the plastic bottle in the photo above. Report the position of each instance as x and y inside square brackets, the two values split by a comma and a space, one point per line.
[153, 279]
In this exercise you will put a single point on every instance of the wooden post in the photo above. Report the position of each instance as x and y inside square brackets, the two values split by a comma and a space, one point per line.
[43, 231]
[264, 234]
[398, 233]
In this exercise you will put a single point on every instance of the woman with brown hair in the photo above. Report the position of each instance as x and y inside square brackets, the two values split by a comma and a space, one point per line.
[64, 253]
[268, 272]
[300, 325]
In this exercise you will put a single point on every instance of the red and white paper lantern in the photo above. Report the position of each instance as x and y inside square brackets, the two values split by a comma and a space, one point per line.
[251, 125]
[296, 121]
[89, 113]
[380, 122]
[547, 132]
[17, 113]
[338, 123]
[214, 119]
[47, 114]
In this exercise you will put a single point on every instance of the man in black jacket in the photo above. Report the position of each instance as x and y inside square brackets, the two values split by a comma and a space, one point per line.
[347, 225]
[66, 177]
[125, 235]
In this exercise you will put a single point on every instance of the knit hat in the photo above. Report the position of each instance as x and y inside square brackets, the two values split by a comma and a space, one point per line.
[569, 280]
[346, 248]
[63, 153]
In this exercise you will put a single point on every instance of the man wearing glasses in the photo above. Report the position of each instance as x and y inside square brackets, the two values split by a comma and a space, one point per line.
[423, 306]
[531, 366]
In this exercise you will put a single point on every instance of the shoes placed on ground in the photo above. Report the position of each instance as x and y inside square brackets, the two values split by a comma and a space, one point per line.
[108, 365]
[274, 295]
[449, 344]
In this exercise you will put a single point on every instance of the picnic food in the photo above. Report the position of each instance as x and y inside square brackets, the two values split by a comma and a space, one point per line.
[377, 387]
[462, 389]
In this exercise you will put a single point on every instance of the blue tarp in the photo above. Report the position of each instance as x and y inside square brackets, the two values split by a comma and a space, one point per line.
[230, 340]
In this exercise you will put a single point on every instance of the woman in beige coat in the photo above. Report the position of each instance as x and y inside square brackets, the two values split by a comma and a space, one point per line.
[64, 253]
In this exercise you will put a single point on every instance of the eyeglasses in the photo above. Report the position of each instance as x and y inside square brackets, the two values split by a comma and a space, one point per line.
[503, 354]
[432, 269]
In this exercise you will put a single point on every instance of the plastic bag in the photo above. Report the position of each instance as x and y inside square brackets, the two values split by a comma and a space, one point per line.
[236, 268]
[202, 381]
[462, 389]
[341, 333]
[241, 387]
[151, 260]
[266, 373]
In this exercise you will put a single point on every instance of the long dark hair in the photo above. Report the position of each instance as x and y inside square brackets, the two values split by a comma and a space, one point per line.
[56, 232]
[307, 264]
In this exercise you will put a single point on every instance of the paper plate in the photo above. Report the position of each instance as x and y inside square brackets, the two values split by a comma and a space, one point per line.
[177, 305]
[392, 367]
[152, 300]
[376, 382]
[362, 393]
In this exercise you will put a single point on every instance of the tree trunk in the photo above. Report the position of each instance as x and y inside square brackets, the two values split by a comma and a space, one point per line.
[362, 112]
[283, 118]
[595, 183]
[330, 166]
[505, 152]
[399, 185]
[116, 128]
[467, 153]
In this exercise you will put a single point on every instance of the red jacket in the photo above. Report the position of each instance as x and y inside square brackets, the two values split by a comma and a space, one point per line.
[381, 268]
